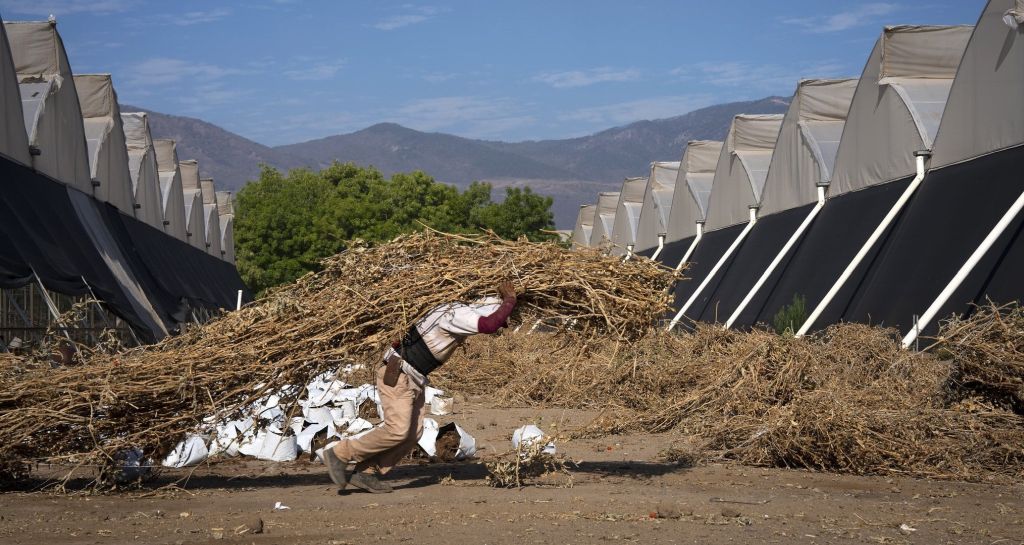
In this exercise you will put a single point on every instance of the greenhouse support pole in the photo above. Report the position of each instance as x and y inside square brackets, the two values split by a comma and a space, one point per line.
[778, 258]
[890, 217]
[965, 270]
[714, 271]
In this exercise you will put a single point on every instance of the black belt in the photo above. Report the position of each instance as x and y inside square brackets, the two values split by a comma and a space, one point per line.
[416, 353]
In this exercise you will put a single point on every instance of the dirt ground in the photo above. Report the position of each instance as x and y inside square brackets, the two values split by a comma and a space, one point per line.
[619, 492]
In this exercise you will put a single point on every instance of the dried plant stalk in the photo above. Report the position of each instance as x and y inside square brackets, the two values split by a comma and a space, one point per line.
[150, 398]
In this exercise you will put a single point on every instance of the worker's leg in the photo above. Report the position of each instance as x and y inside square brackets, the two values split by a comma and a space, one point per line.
[399, 404]
[383, 462]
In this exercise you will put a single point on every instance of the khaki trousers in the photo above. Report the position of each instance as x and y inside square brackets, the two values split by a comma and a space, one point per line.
[383, 447]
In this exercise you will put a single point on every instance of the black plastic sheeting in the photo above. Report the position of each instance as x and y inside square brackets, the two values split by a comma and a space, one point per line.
[751, 259]
[709, 251]
[13, 270]
[835, 236]
[39, 221]
[41, 231]
[950, 214]
[180, 269]
[674, 251]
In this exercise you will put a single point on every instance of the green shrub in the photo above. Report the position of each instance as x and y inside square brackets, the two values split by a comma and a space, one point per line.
[790, 317]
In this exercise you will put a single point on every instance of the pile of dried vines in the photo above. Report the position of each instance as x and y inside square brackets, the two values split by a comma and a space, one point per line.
[847, 400]
[150, 398]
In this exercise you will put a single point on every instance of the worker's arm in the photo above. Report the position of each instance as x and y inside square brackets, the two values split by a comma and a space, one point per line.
[497, 319]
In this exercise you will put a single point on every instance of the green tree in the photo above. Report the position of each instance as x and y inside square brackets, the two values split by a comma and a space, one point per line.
[287, 223]
[523, 212]
[283, 227]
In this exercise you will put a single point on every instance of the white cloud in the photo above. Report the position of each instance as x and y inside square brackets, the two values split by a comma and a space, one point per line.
[414, 15]
[582, 78]
[635, 110]
[198, 17]
[438, 77]
[399, 21]
[318, 71]
[206, 96]
[162, 71]
[845, 20]
[774, 78]
[63, 7]
[468, 116]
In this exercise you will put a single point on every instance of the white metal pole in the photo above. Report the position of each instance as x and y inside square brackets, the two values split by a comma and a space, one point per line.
[661, 246]
[54, 311]
[238, 305]
[964, 271]
[778, 258]
[693, 246]
[707, 279]
[868, 244]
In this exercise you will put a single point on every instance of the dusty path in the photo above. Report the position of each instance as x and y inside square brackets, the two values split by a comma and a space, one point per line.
[617, 493]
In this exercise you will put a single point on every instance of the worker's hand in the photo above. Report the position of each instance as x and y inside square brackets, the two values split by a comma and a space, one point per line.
[506, 291]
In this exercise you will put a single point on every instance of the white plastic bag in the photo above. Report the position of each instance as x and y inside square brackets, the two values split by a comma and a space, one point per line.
[527, 435]
[189, 452]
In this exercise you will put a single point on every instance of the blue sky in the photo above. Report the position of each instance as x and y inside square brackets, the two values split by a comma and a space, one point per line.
[284, 71]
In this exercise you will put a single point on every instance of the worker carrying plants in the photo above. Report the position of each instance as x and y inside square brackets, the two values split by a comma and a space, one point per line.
[401, 381]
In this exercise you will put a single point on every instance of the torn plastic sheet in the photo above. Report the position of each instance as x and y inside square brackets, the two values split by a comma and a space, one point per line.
[230, 435]
[358, 425]
[304, 439]
[529, 434]
[324, 389]
[275, 446]
[429, 392]
[189, 452]
[428, 440]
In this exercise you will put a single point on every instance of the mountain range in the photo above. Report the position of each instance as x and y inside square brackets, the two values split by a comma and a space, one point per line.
[571, 170]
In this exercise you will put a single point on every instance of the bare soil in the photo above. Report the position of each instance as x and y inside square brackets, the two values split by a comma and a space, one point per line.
[620, 491]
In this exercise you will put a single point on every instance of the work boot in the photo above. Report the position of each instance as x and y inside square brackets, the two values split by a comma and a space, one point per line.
[337, 468]
[370, 483]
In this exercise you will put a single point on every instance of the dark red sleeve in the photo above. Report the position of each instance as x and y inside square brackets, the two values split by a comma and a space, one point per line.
[496, 321]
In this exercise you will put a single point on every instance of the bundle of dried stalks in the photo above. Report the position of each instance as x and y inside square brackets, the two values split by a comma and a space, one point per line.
[527, 462]
[150, 398]
[987, 354]
[848, 400]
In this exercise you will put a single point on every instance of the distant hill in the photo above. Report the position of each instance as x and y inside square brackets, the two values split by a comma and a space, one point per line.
[572, 171]
[231, 160]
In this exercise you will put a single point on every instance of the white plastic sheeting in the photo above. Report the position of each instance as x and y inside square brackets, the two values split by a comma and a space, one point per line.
[627, 214]
[428, 441]
[808, 141]
[604, 219]
[742, 169]
[105, 141]
[53, 119]
[693, 184]
[984, 113]
[329, 412]
[897, 106]
[192, 192]
[227, 237]
[225, 203]
[172, 196]
[584, 226]
[657, 206]
[13, 139]
[142, 167]
[111, 252]
[529, 434]
[211, 218]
